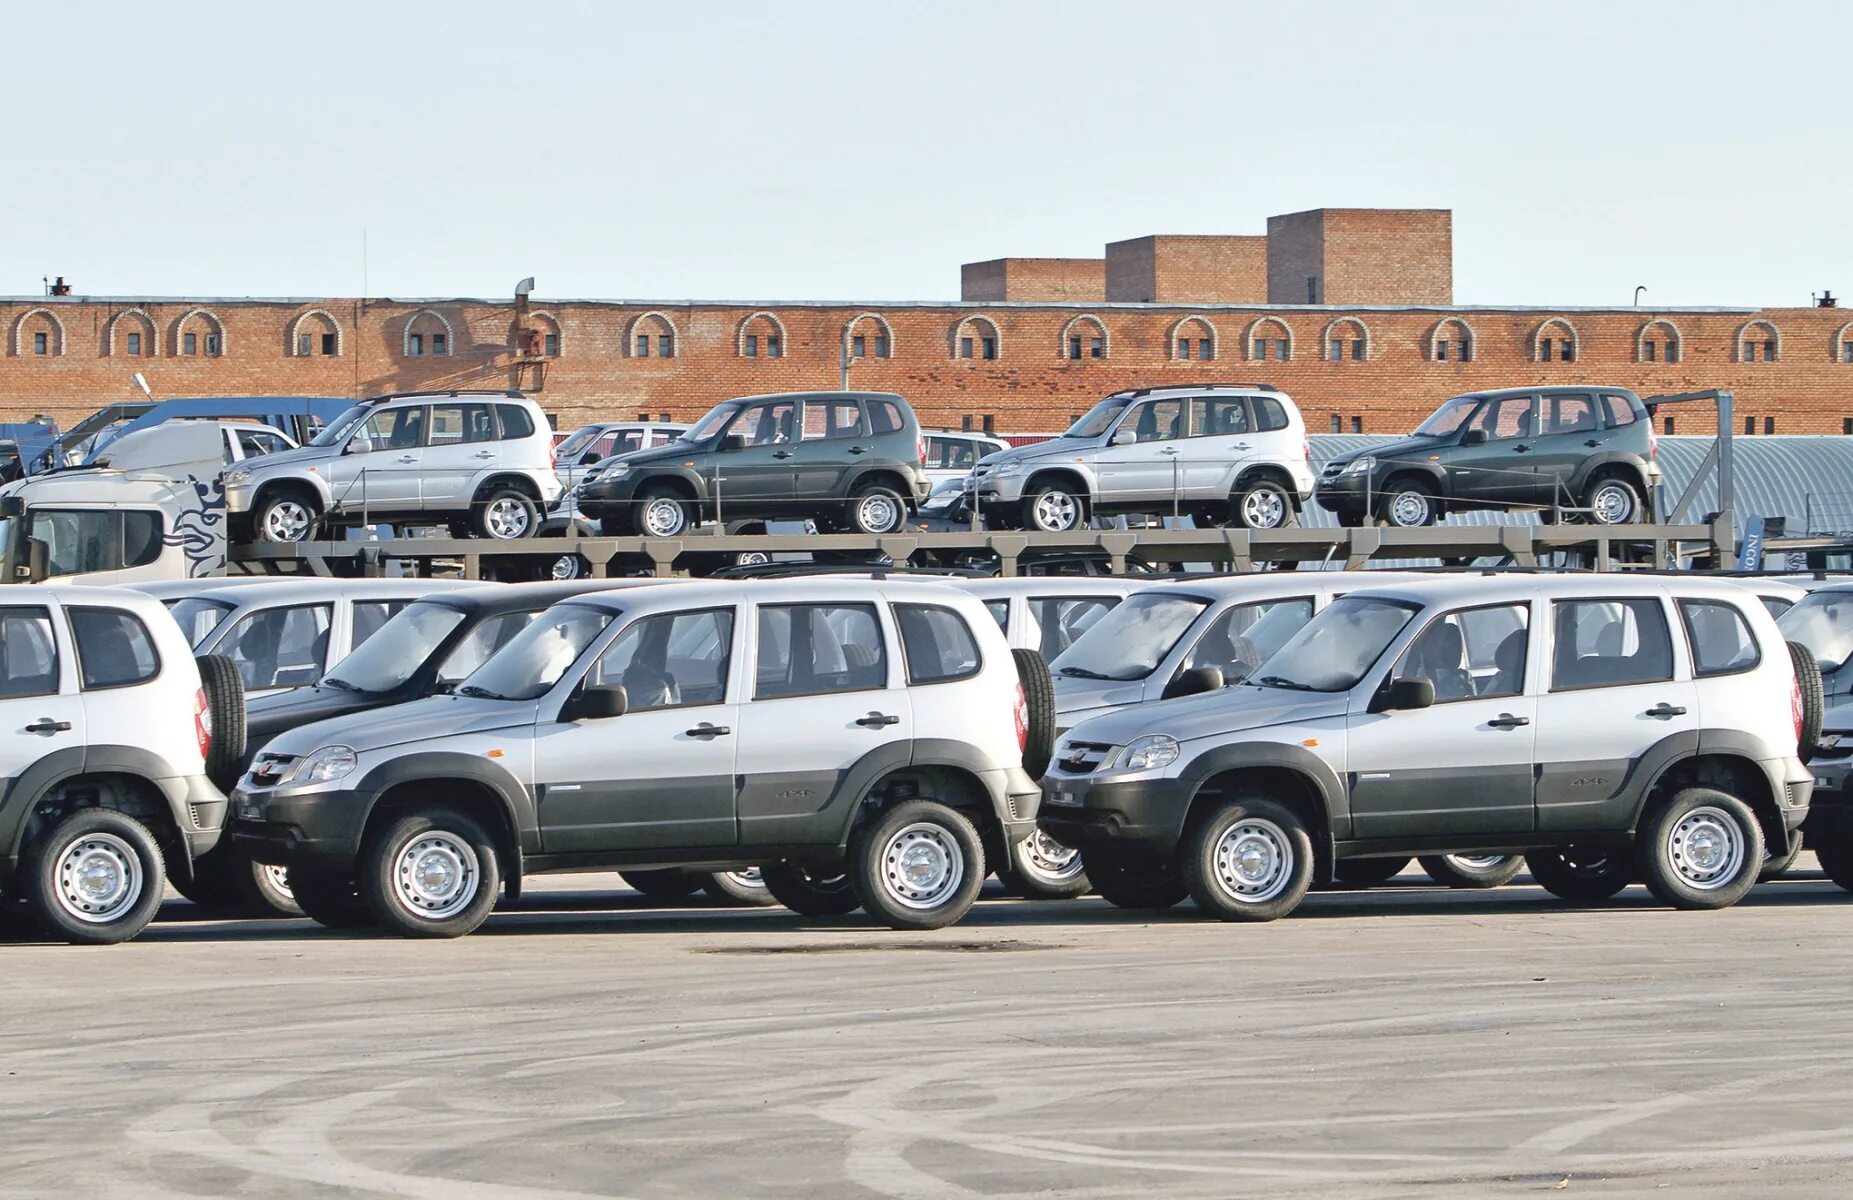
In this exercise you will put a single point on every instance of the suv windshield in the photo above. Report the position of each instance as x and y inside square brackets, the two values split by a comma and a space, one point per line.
[1449, 417]
[1094, 422]
[534, 659]
[1823, 622]
[395, 653]
[197, 617]
[341, 426]
[1333, 651]
[708, 426]
[1129, 642]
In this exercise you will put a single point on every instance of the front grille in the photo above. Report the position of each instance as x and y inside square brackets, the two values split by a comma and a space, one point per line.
[269, 769]
[1834, 745]
[1083, 758]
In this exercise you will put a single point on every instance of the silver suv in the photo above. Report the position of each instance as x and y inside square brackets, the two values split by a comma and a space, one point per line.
[1220, 454]
[1621, 729]
[479, 461]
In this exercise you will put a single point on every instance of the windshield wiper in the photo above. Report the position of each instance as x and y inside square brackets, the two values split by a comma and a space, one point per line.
[341, 684]
[481, 693]
[1280, 681]
[1083, 673]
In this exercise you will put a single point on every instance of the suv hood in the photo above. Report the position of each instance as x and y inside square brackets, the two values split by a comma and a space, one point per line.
[674, 450]
[419, 721]
[1409, 447]
[1060, 447]
[1212, 714]
[301, 456]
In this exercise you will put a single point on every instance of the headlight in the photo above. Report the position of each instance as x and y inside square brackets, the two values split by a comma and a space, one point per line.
[238, 475]
[325, 765]
[1148, 753]
[1009, 468]
[1359, 466]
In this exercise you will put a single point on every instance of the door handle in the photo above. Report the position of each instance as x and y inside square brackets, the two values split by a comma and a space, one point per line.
[47, 725]
[1508, 721]
[876, 720]
[1521, 449]
[408, 458]
[706, 730]
[483, 454]
[858, 449]
[1239, 446]
[781, 454]
[1665, 710]
[1592, 443]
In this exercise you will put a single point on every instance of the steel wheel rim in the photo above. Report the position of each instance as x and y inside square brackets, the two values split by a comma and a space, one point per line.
[506, 518]
[287, 521]
[663, 517]
[1477, 862]
[1263, 508]
[748, 878]
[436, 876]
[922, 866]
[877, 514]
[1409, 508]
[1045, 859]
[1254, 861]
[1613, 504]
[276, 878]
[565, 567]
[1056, 511]
[1706, 848]
[99, 878]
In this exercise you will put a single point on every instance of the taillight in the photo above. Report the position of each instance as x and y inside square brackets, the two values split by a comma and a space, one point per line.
[202, 722]
[1023, 720]
[920, 450]
[1796, 708]
[1653, 441]
[1306, 448]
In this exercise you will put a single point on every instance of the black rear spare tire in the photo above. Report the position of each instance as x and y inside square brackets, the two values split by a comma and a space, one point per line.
[1039, 716]
[224, 688]
[1813, 700]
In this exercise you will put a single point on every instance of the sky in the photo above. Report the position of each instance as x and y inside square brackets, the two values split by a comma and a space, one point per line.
[862, 151]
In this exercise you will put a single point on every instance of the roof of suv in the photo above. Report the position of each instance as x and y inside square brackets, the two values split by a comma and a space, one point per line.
[304, 591]
[493, 393]
[1216, 587]
[704, 593]
[813, 395]
[521, 597]
[1450, 589]
[1194, 389]
[1556, 389]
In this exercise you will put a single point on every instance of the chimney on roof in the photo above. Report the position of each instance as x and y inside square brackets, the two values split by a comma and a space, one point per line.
[59, 287]
[1827, 300]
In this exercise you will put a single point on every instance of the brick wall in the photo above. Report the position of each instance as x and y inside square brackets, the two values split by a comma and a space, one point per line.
[1188, 269]
[1029, 386]
[1388, 256]
[1044, 280]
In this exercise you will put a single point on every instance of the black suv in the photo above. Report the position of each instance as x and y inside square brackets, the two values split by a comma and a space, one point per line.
[1585, 451]
[850, 461]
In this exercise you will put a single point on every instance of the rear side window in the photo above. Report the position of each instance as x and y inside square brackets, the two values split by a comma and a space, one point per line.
[938, 644]
[885, 417]
[1609, 643]
[28, 653]
[1000, 612]
[1270, 414]
[1721, 640]
[369, 615]
[454, 423]
[515, 421]
[810, 649]
[831, 419]
[1218, 416]
[279, 647]
[114, 648]
[1620, 412]
[1569, 414]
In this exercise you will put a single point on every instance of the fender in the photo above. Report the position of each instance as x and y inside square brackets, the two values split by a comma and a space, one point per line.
[1081, 471]
[656, 472]
[23, 792]
[1637, 469]
[881, 466]
[516, 799]
[1278, 471]
[1436, 477]
[317, 483]
[1733, 743]
[944, 752]
[1325, 782]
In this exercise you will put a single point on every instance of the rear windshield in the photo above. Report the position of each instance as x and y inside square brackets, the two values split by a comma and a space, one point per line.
[197, 617]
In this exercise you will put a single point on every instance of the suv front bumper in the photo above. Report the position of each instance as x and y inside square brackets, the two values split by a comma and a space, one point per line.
[321, 828]
[1082, 811]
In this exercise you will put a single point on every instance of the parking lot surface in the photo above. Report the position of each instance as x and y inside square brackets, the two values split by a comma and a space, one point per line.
[1406, 1041]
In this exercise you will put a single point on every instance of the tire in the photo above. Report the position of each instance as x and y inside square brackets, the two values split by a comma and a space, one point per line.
[17, 923]
[918, 865]
[876, 508]
[1472, 870]
[1249, 860]
[264, 890]
[1368, 872]
[1814, 700]
[1701, 849]
[1350, 520]
[330, 899]
[224, 688]
[209, 886]
[430, 873]
[284, 517]
[564, 568]
[1407, 504]
[1135, 884]
[1580, 875]
[1835, 852]
[810, 893]
[738, 887]
[1775, 866]
[1042, 868]
[1039, 701]
[503, 514]
[616, 527]
[1611, 500]
[1052, 508]
[1261, 504]
[94, 878]
[661, 511]
[667, 884]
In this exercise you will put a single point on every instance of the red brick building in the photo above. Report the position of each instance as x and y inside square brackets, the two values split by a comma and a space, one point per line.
[1031, 343]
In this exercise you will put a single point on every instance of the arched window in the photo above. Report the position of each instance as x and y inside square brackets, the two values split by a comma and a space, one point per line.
[976, 337]
[428, 334]
[545, 328]
[314, 334]
[1193, 335]
[199, 332]
[38, 332]
[1758, 341]
[1659, 341]
[131, 333]
[1346, 338]
[651, 334]
[1841, 349]
[1085, 336]
[1451, 340]
[1555, 340]
[761, 335]
[869, 336]
[1269, 337]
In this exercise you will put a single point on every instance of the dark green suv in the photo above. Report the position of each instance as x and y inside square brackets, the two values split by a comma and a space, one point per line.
[850, 461]
[1584, 452]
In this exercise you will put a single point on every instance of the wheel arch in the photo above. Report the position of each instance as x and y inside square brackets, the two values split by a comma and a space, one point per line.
[119, 786]
[315, 489]
[1725, 760]
[461, 781]
[1270, 471]
[514, 479]
[1080, 482]
[1291, 774]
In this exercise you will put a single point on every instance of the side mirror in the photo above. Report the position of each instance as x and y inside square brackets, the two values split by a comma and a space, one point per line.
[596, 704]
[590, 457]
[38, 560]
[1194, 682]
[1401, 695]
[12, 506]
[1125, 437]
[1474, 437]
[732, 442]
[358, 445]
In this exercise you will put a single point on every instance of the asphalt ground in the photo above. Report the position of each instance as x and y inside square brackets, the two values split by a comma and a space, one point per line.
[1400, 1042]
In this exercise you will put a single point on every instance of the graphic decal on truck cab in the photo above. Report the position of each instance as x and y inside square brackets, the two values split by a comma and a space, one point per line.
[199, 528]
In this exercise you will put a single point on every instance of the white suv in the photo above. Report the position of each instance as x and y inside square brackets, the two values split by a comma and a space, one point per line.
[1220, 454]
[480, 461]
[107, 741]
